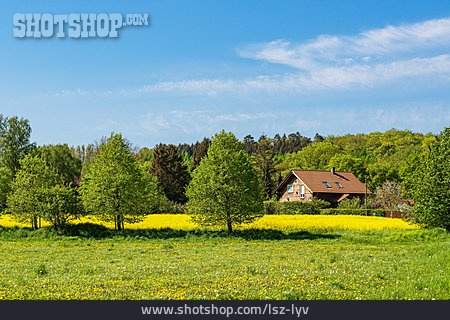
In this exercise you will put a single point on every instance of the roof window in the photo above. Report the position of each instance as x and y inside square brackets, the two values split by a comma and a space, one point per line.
[326, 184]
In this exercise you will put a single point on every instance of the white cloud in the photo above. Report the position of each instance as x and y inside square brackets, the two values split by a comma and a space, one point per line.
[198, 121]
[367, 59]
[390, 42]
[403, 53]
[327, 77]
[326, 120]
[370, 75]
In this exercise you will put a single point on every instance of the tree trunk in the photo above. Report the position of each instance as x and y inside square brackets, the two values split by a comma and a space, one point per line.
[230, 227]
[229, 223]
[34, 224]
[119, 223]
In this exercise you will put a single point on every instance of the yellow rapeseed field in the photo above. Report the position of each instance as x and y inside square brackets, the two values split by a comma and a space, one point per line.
[277, 222]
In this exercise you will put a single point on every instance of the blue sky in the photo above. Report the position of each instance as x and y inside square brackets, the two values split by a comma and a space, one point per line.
[250, 67]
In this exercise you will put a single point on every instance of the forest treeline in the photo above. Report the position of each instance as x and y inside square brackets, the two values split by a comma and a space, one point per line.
[376, 157]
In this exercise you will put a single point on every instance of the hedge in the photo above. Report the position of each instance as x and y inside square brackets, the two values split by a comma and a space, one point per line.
[356, 212]
[314, 207]
[294, 207]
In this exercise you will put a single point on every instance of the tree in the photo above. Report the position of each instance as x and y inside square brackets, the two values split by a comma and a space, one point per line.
[224, 189]
[61, 204]
[145, 155]
[249, 144]
[347, 162]
[113, 186]
[265, 166]
[390, 195]
[315, 156]
[172, 174]
[14, 141]
[318, 138]
[6, 179]
[28, 199]
[84, 153]
[62, 161]
[155, 198]
[200, 152]
[432, 192]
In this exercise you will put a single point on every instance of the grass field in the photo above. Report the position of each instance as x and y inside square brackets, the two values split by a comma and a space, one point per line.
[254, 263]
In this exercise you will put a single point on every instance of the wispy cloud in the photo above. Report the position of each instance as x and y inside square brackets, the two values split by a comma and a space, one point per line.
[199, 121]
[389, 43]
[368, 58]
[373, 57]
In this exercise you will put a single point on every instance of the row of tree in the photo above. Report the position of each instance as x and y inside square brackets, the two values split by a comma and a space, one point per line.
[112, 179]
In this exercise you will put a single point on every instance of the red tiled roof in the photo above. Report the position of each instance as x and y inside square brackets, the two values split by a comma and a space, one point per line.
[314, 181]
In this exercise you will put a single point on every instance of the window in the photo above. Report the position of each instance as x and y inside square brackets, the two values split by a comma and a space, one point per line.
[339, 185]
[290, 188]
[302, 191]
[326, 184]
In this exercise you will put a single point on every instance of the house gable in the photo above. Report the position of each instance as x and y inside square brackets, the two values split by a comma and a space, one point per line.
[295, 194]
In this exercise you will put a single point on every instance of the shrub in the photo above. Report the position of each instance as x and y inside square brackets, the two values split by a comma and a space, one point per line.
[293, 207]
[320, 204]
[172, 207]
[350, 211]
[354, 203]
[269, 207]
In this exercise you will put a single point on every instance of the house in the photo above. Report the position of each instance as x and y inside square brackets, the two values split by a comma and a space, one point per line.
[331, 186]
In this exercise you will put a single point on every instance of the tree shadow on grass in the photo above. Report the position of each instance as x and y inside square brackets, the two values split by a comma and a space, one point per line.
[89, 230]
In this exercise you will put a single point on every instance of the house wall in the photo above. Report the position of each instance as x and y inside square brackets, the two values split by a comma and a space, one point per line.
[295, 196]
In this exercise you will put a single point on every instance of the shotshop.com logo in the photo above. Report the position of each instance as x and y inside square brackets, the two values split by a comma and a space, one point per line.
[74, 25]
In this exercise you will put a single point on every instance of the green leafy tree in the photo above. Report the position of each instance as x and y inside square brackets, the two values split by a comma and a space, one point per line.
[249, 144]
[155, 198]
[6, 179]
[315, 156]
[145, 155]
[172, 174]
[27, 201]
[432, 192]
[62, 161]
[349, 163]
[113, 186]
[61, 204]
[224, 189]
[14, 141]
[265, 166]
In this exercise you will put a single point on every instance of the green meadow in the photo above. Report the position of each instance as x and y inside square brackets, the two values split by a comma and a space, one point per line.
[200, 264]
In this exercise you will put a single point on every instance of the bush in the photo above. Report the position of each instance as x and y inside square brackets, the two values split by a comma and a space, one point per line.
[269, 207]
[172, 207]
[315, 207]
[354, 203]
[320, 204]
[357, 212]
[293, 207]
